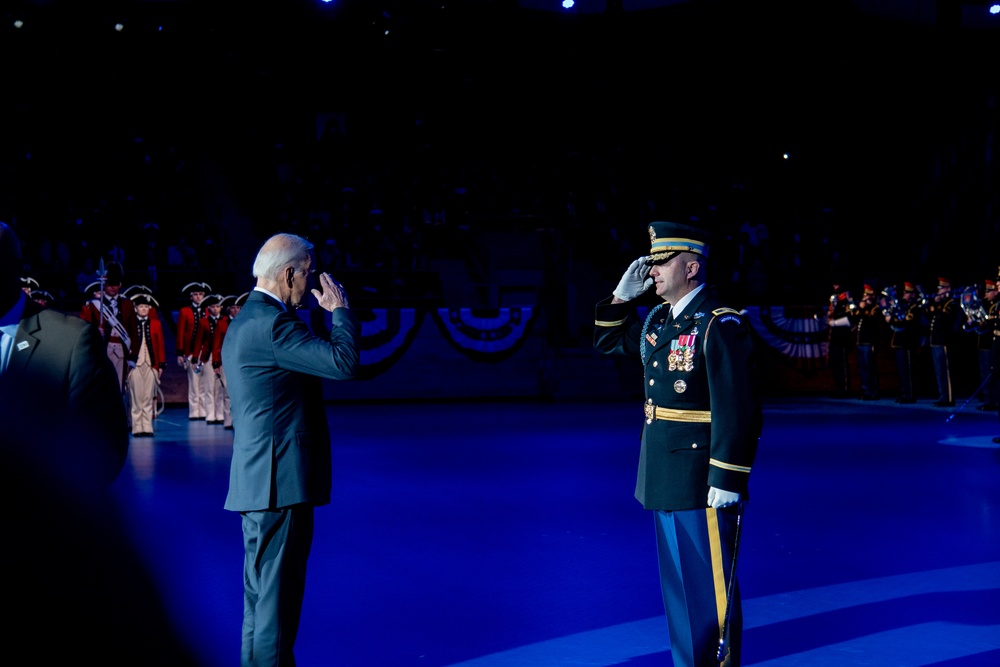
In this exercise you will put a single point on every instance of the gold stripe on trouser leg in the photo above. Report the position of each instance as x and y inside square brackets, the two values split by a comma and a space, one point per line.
[718, 570]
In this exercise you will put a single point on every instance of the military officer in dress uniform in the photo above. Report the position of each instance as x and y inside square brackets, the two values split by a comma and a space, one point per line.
[699, 437]
[867, 323]
[148, 360]
[943, 312]
[187, 329]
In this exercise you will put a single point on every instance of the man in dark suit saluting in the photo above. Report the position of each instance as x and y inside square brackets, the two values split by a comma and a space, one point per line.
[281, 465]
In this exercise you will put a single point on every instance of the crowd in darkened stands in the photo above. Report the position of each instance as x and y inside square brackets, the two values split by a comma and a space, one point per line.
[410, 214]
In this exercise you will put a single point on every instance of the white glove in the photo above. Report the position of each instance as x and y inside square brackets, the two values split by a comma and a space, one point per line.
[718, 498]
[635, 281]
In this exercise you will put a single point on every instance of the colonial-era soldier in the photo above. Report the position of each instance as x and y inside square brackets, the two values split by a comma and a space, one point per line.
[867, 319]
[699, 438]
[149, 359]
[204, 340]
[943, 313]
[906, 322]
[114, 316]
[231, 306]
[187, 328]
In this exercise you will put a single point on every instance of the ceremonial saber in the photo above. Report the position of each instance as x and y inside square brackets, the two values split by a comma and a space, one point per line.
[720, 655]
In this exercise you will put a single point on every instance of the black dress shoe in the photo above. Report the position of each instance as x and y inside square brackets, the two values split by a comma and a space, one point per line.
[229, 428]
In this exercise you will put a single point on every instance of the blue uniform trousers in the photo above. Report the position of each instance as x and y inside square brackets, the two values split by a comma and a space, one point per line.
[695, 551]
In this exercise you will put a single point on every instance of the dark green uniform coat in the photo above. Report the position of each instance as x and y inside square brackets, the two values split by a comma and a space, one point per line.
[709, 419]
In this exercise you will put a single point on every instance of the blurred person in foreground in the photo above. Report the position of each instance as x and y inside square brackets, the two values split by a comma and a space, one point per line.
[78, 588]
[281, 467]
[699, 438]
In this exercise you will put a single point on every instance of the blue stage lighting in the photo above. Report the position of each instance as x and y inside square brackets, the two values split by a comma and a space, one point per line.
[994, 9]
[568, 4]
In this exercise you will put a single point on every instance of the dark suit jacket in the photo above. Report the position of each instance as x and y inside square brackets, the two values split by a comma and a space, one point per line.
[63, 412]
[712, 400]
[274, 366]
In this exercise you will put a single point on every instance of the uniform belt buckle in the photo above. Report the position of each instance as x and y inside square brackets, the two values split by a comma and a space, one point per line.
[650, 411]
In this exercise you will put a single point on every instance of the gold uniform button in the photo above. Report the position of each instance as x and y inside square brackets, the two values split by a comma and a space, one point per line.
[655, 364]
[694, 445]
[652, 382]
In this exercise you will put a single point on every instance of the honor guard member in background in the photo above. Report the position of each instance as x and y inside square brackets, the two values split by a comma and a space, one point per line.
[987, 355]
[114, 316]
[211, 382]
[906, 322]
[867, 321]
[149, 359]
[702, 420]
[187, 328]
[978, 323]
[840, 339]
[231, 306]
[132, 290]
[993, 321]
[943, 311]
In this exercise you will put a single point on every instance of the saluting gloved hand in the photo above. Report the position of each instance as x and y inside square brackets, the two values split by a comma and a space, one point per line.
[719, 498]
[635, 281]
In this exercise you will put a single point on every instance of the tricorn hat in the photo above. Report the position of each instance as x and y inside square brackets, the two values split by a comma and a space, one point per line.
[228, 301]
[196, 287]
[42, 295]
[132, 290]
[29, 283]
[92, 287]
[145, 299]
[669, 238]
[211, 300]
[241, 299]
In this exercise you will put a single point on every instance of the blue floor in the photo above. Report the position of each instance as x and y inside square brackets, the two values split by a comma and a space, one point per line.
[506, 534]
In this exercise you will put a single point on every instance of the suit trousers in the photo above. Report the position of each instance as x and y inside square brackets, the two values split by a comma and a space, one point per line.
[196, 394]
[695, 552]
[276, 545]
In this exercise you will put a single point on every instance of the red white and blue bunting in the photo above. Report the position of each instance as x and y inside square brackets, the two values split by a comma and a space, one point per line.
[488, 335]
[798, 338]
